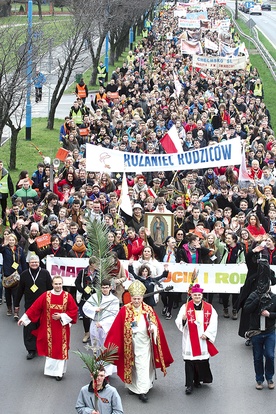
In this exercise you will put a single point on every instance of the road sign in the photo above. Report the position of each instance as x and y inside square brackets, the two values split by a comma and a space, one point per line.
[250, 23]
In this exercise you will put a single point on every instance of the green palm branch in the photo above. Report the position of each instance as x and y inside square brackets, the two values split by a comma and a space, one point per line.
[102, 358]
[98, 246]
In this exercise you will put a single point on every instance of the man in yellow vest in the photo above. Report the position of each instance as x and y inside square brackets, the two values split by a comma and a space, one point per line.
[101, 70]
[81, 90]
[6, 187]
[258, 90]
[76, 113]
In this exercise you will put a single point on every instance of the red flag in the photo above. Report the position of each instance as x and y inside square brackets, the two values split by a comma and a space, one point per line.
[62, 154]
[171, 141]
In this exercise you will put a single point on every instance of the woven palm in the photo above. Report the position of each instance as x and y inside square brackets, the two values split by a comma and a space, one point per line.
[100, 358]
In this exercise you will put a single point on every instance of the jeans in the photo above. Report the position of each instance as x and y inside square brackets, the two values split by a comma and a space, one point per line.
[263, 354]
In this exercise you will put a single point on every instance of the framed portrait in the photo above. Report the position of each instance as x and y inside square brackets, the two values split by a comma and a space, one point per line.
[161, 226]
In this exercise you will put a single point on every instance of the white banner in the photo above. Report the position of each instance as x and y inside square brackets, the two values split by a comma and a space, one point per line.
[180, 13]
[189, 24]
[66, 267]
[219, 155]
[219, 278]
[219, 62]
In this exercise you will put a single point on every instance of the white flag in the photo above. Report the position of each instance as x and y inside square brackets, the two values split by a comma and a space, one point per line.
[124, 201]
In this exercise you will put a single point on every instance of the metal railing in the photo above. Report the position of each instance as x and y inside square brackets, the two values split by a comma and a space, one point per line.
[268, 59]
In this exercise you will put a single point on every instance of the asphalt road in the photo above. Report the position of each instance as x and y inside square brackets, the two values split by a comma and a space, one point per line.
[25, 390]
[265, 22]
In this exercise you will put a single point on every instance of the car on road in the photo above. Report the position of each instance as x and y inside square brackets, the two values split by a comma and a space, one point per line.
[245, 6]
[255, 9]
[266, 6]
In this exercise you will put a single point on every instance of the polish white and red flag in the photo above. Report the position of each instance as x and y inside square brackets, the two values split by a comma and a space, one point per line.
[151, 192]
[244, 178]
[171, 141]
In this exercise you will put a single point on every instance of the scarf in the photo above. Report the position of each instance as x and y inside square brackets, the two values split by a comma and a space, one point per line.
[195, 343]
[37, 217]
[271, 255]
[79, 249]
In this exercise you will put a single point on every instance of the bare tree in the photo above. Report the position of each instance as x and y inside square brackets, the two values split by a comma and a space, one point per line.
[13, 78]
[5, 8]
[116, 18]
[82, 26]
[12, 83]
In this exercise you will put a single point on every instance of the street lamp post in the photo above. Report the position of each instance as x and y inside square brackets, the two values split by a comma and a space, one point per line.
[106, 58]
[131, 38]
[28, 135]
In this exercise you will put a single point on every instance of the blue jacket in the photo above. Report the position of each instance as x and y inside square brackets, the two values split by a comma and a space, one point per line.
[9, 258]
[39, 80]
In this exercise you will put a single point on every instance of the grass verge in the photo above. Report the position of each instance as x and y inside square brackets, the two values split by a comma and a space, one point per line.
[263, 70]
[27, 156]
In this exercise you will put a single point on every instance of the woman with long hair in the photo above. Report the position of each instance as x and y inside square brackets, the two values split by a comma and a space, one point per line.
[246, 239]
[254, 227]
[215, 246]
[115, 244]
[148, 258]
[79, 248]
[106, 184]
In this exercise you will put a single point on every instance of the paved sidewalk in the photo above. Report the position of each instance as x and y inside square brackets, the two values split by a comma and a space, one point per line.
[41, 109]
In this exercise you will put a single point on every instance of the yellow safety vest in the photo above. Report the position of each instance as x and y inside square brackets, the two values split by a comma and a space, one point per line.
[144, 33]
[101, 72]
[4, 189]
[77, 117]
[258, 90]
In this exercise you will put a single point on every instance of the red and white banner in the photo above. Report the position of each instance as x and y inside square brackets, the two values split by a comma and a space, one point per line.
[191, 48]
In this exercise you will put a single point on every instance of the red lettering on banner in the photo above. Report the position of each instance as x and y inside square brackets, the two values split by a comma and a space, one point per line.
[57, 270]
[65, 271]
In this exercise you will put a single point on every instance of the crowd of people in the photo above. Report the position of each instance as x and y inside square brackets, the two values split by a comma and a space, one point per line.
[216, 217]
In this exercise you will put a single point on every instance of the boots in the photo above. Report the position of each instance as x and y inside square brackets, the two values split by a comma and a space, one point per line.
[225, 313]
[16, 314]
[9, 312]
[234, 315]
[86, 337]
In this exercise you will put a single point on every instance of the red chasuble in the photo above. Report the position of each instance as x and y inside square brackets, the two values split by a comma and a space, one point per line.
[52, 338]
[120, 334]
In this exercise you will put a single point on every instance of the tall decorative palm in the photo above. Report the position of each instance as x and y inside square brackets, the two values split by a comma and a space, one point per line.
[98, 246]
